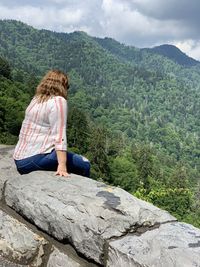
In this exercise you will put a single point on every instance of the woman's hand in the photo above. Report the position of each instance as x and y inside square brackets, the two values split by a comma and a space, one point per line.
[62, 171]
[62, 163]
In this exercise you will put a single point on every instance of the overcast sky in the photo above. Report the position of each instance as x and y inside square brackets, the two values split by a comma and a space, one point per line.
[141, 23]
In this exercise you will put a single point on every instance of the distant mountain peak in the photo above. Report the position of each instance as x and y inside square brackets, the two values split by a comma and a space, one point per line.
[174, 53]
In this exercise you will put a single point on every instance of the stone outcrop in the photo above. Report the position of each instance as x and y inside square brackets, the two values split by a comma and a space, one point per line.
[78, 221]
[19, 242]
[171, 244]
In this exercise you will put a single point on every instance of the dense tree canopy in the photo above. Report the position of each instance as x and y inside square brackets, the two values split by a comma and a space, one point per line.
[133, 112]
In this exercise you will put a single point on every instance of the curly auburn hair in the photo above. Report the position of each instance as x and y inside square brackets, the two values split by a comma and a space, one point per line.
[54, 83]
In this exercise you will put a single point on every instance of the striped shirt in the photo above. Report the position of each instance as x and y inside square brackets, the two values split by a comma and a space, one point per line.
[43, 128]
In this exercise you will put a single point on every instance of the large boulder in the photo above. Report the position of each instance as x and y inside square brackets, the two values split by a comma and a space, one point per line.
[20, 245]
[103, 224]
[80, 210]
[170, 245]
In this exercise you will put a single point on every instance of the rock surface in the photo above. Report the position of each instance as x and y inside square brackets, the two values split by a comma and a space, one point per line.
[80, 210]
[104, 224]
[58, 259]
[20, 246]
[170, 245]
[19, 243]
[6, 263]
[7, 167]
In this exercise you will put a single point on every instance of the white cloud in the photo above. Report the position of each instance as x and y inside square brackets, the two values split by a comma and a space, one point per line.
[58, 1]
[131, 26]
[190, 47]
[40, 17]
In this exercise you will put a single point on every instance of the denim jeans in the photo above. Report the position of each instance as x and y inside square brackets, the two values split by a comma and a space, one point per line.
[75, 163]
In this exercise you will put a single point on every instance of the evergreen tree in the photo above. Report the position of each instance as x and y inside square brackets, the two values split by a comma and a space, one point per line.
[5, 69]
[98, 153]
[144, 161]
[78, 130]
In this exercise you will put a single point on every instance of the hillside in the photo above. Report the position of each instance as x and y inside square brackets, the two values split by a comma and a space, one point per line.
[167, 60]
[124, 102]
[175, 54]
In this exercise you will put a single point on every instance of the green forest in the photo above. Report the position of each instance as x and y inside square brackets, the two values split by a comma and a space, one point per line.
[135, 113]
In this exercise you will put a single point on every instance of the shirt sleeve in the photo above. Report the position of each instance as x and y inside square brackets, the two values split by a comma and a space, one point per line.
[58, 123]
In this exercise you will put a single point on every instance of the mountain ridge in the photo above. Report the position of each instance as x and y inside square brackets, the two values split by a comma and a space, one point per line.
[174, 53]
[122, 51]
[124, 103]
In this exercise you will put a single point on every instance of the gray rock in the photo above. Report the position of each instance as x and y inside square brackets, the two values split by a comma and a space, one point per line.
[5, 263]
[7, 166]
[59, 259]
[170, 245]
[18, 243]
[80, 210]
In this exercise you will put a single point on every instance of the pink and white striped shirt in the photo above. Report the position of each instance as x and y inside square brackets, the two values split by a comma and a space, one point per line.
[43, 128]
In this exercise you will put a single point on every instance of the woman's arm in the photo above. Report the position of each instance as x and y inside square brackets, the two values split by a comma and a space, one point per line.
[58, 122]
[62, 163]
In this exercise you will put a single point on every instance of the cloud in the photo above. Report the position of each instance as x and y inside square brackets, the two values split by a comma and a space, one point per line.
[190, 47]
[126, 24]
[39, 17]
[57, 15]
[184, 12]
[141, 23]
[171, 9]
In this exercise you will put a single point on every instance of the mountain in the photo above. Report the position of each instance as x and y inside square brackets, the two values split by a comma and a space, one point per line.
[183, 68]
[131, 90]
[137, 90]
[134, 112]
[131, 53]
[175, 54]
[123, 52]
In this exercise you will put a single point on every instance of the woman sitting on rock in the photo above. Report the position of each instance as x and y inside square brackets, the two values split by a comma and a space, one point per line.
[42, 141]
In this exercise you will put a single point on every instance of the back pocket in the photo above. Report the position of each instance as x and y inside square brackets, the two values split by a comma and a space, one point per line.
[27, 167]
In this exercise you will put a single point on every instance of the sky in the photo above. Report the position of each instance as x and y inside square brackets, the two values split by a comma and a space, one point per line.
[140, 23]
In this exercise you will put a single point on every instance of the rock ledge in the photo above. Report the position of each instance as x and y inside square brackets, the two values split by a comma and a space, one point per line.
[104, 225]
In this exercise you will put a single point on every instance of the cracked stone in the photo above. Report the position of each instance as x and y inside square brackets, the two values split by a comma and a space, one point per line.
[59, 259]
[7, 167]
[18, 243]
[79, 210]
[170, 245]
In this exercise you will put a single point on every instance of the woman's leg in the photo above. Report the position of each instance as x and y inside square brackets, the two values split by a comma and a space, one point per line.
[78, 164]
[29, 164]
[75, 163]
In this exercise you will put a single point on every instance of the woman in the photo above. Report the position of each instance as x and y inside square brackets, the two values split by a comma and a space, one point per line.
[42, 141]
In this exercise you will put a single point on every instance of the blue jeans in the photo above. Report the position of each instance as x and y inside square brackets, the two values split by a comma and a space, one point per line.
[48, 162]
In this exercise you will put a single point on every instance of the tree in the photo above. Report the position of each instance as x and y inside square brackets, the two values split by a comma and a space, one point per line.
[179, 177]
[98, 153]
[143, 157]
[124, 174]
[78, 130]
[5, 69]
[177, 201]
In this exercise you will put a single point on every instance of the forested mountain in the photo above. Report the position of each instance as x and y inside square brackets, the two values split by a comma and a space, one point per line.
[134, 112]
[172, 52]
